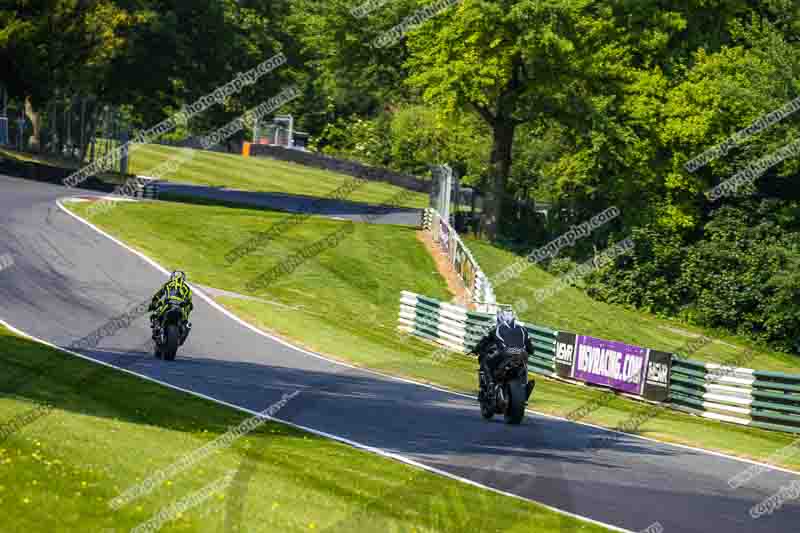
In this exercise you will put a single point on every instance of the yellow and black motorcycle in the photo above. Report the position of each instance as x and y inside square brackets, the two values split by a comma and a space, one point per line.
[170, 319]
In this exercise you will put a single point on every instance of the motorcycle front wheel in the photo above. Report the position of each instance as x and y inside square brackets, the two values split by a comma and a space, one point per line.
[173, 338]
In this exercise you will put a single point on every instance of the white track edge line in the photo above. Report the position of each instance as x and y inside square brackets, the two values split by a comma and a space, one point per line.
[252, 328]
[355, 444]
[406, 380]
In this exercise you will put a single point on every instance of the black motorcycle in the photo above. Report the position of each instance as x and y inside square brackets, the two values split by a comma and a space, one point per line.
[169, 330]
[511, 387]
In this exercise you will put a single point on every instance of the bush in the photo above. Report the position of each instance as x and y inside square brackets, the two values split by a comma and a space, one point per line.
[741, 275]
[356, 138]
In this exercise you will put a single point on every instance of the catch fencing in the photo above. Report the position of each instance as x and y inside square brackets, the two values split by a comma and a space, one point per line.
[767, 400]
[75, 128]
[475, 281]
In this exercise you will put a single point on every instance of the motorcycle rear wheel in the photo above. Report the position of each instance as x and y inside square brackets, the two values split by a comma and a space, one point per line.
[518, 395]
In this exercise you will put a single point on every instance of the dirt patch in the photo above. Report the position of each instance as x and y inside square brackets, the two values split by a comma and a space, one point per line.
[695, 335]
[454, 283]
[221, 293]
[681, 332]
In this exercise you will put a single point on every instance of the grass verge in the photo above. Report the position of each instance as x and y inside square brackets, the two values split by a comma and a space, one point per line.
[344, 302]
[102, 431]
[232, 171]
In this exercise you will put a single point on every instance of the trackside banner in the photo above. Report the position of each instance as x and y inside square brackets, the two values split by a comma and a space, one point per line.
[617, 365]
[656, 383]
[610, 363]
[565, 354]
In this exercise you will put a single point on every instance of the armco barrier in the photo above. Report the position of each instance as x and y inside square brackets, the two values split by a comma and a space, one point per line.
[342, 166]
[767, 400]
[461, 259]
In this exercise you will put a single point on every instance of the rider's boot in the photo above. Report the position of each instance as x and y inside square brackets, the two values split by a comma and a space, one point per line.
[488, 386]
[154, 326]
[186, 330]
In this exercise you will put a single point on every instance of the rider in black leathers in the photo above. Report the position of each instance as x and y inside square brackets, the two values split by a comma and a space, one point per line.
[507, 337]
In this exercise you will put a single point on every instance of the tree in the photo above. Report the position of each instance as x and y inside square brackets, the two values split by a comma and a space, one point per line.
[343, 74]
[513, 62]
[52, 44]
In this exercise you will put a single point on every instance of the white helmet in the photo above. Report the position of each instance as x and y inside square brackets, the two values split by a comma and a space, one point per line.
[505, 316]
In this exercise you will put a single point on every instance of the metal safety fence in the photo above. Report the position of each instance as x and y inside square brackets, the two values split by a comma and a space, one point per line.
[461, 259]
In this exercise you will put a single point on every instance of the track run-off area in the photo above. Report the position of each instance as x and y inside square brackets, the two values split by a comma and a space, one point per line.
[69, 278]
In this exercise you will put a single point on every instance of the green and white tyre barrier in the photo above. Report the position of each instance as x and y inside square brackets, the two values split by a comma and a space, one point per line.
[768, 400]
[459, 329]
[427, 219]
[146, 187]
[437, 321]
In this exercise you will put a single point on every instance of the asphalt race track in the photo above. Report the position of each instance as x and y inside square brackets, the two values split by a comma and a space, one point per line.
[294, 203]
[68, 280]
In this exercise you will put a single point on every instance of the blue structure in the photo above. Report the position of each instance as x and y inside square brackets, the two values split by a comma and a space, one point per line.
[20, 133]
[3, 131]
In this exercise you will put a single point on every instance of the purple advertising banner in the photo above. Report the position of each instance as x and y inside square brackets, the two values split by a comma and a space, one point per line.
[613, 364]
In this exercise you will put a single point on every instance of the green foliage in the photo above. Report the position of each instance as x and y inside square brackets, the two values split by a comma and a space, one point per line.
[509, 62]
[422, 135]
[736, 276]
[741, 275]
[355, 138]
[410, 139]
[150, 56]
[536, 148]
[343, 74]
[416, 140]
[585, 104]
[647, 279]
